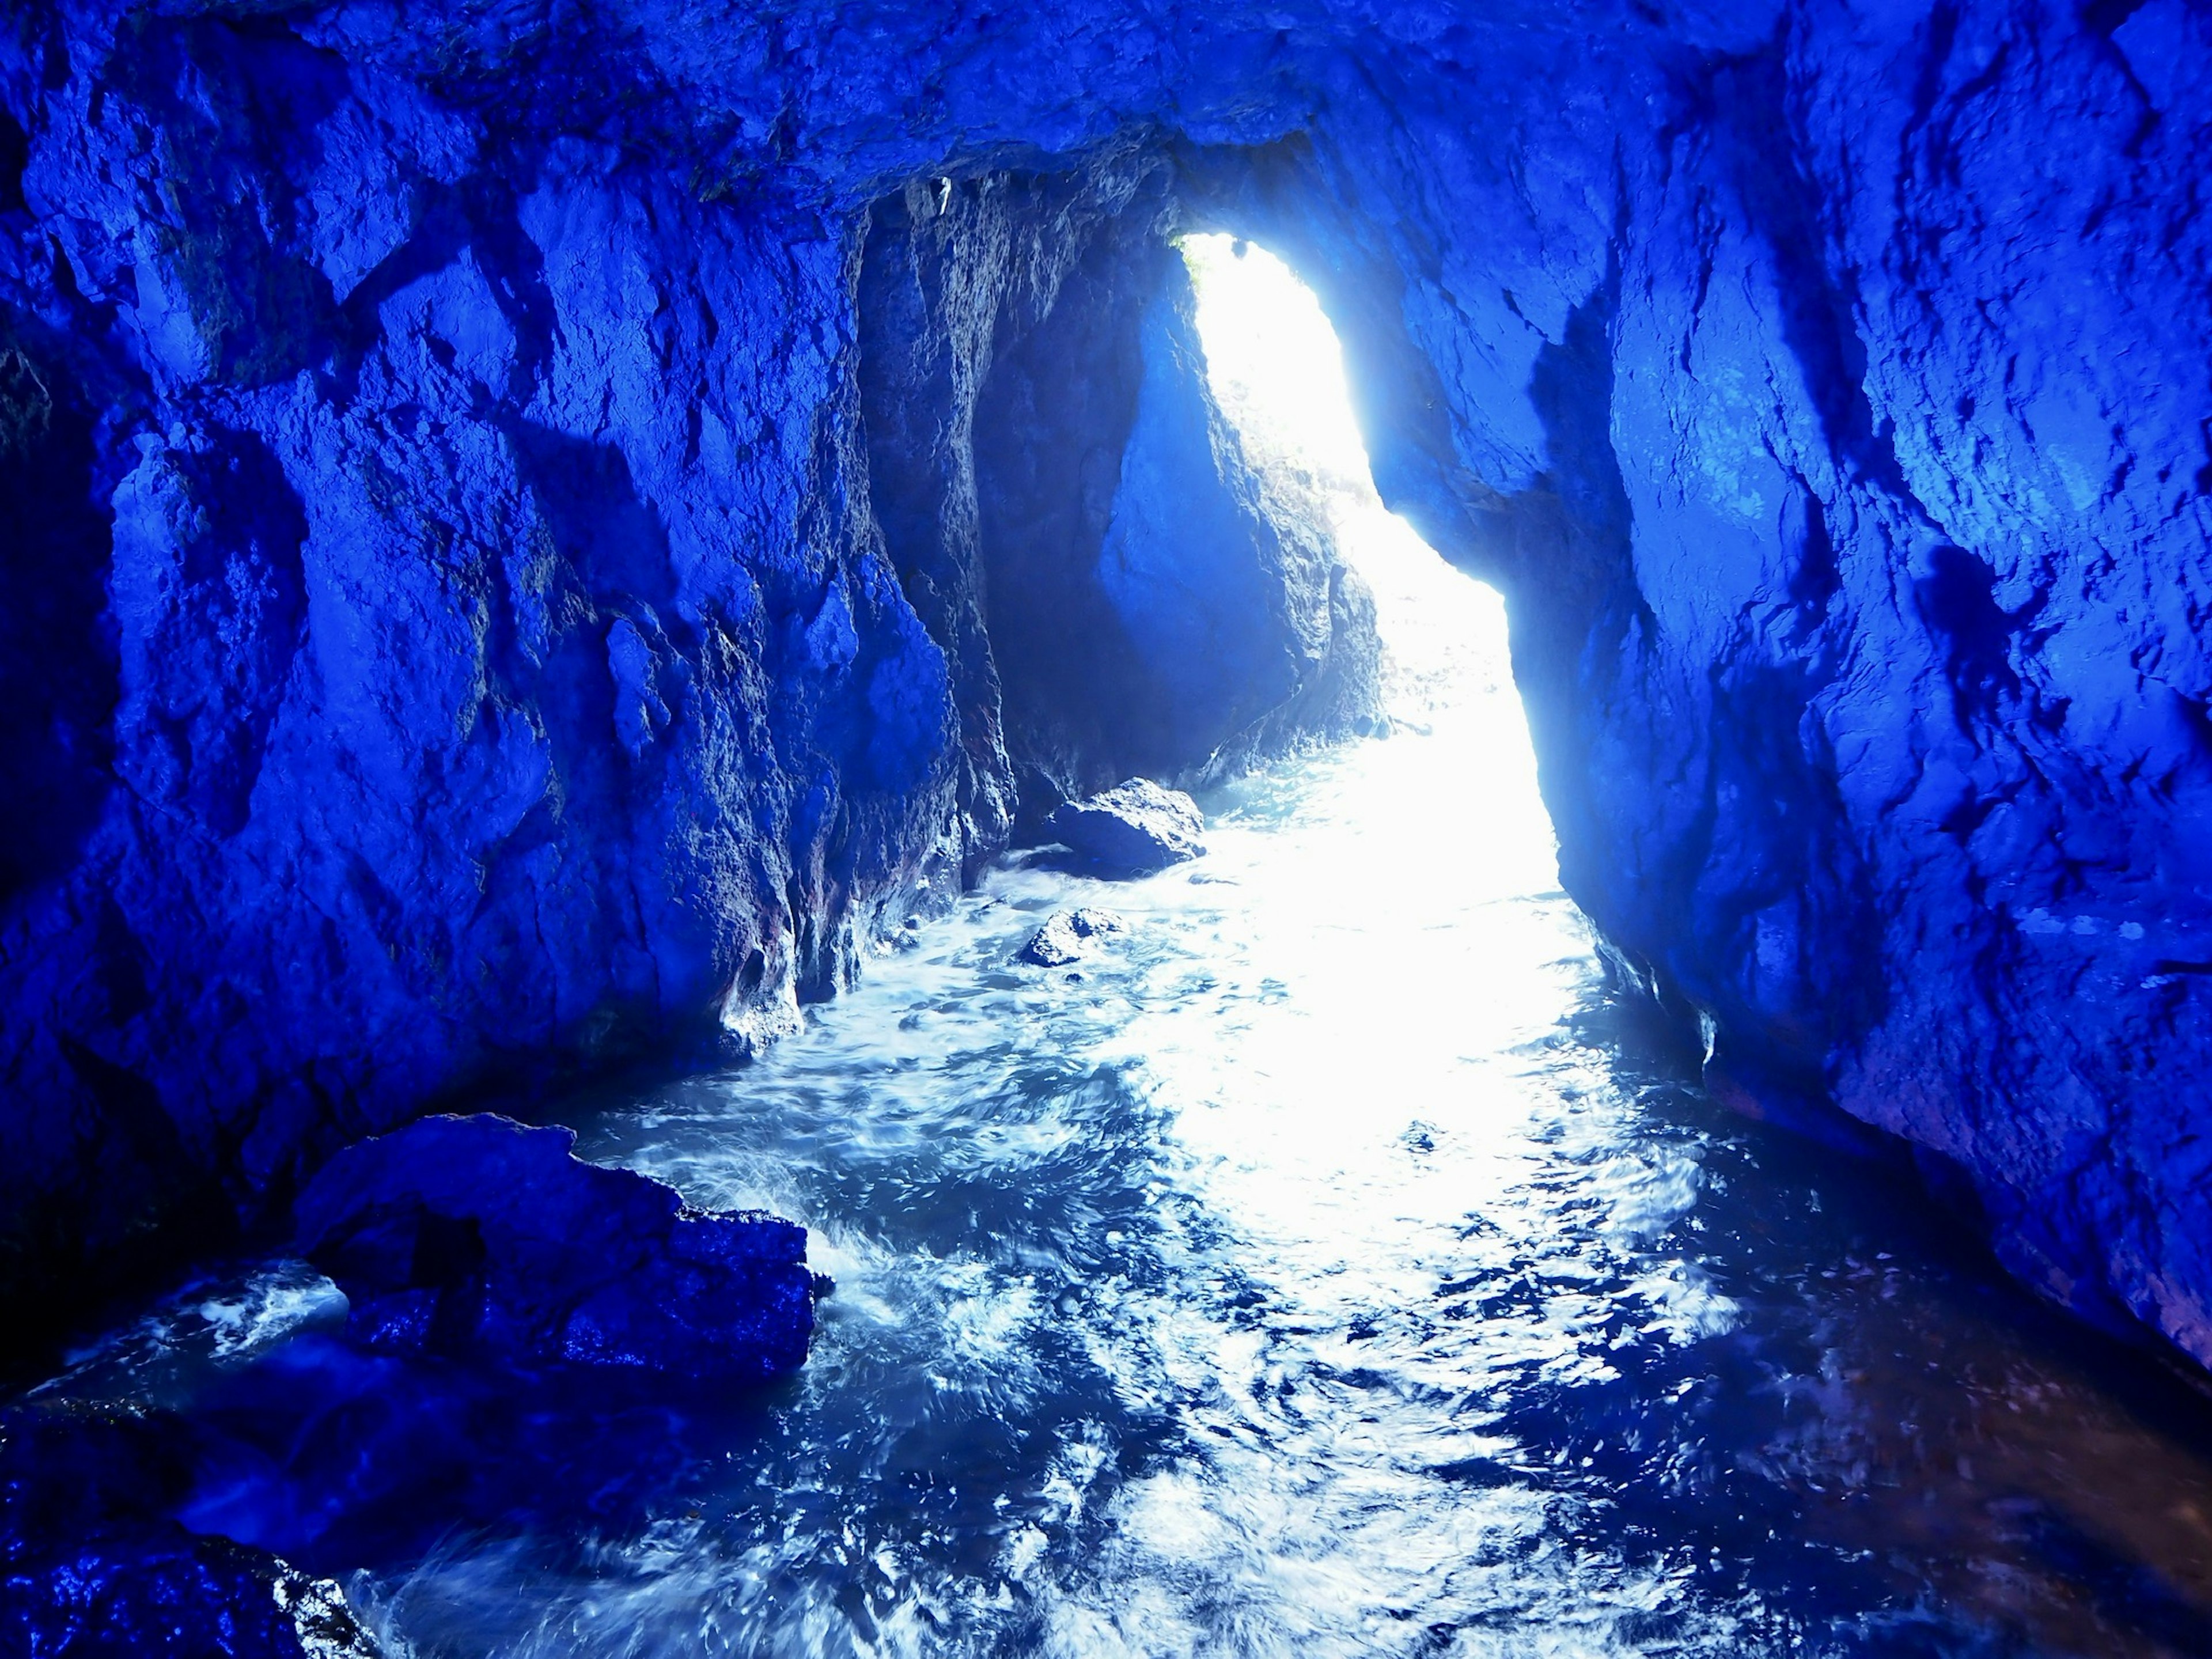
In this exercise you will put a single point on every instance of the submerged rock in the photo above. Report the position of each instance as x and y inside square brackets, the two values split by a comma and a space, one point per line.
[480, 1236]
[93, 1559]
[1060, 941]
[1134, 829]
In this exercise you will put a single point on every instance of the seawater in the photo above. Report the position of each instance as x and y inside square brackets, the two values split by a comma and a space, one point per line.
[1332, 1262]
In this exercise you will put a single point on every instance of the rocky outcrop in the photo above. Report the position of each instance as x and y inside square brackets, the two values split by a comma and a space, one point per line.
[1069, 510]
[1065, 932]
[480, 1238]
[1135, 829]
[596, 511]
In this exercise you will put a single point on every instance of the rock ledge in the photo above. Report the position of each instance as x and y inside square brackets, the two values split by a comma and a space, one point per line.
[479, 1236]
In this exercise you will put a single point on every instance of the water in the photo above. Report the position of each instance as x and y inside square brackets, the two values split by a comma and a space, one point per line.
[1329, 1264]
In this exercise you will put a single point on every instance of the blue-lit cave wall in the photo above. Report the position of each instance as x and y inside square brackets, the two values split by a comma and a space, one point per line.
[544, 529]
[504, 594]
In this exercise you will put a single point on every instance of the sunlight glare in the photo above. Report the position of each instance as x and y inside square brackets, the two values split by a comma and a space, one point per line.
[1277, 370]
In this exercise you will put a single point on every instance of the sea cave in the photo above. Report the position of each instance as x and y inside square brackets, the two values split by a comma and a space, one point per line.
[1327, 827]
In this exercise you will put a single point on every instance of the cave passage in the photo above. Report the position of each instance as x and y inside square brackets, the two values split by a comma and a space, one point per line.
[1329, 1261]
[1275, 365]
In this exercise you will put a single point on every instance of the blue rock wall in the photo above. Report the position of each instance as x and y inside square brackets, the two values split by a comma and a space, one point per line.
[1825, 384]
[1061, 496]
[453, 640]
[1828, 393]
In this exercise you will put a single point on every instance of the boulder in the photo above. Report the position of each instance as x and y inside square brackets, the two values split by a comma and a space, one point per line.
[1135, 829]
[480, 1237]
[1060, 941]
[92, 1560]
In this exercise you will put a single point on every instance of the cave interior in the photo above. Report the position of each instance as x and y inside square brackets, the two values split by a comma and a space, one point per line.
[540, 535]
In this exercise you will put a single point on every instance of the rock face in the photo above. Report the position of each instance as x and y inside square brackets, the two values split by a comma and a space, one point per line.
[477, 1237]
[93, 1562]
[541, 528]
[1060, 940]
[488, 604]
[1135, 829]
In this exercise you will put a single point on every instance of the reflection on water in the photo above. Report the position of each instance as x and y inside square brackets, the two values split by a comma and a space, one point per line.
[1327, 1265]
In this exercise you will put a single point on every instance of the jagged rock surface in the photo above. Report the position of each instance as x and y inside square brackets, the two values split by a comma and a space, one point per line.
[1823, 383]
[495, 600]
[477, 1237]
[1135, 829]
[1060, 940]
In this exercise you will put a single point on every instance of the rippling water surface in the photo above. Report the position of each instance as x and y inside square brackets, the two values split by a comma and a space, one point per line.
[1328, 1264]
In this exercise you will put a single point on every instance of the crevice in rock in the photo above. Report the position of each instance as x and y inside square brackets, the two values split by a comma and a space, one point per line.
[57, 643]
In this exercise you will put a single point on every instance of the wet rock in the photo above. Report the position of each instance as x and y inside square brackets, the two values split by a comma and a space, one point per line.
[1134, 829]
[92, 1560]
[478, 1237]
[1060, 941]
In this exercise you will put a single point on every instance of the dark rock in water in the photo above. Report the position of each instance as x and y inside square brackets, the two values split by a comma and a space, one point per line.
[1132, 830]
[1060, 941]
[92, 1560]
[479, 1237]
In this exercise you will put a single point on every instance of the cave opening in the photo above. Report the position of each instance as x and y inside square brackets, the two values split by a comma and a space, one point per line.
[1276, 367]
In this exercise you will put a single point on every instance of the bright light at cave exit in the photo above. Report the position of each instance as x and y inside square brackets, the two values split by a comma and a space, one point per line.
[1277, 371]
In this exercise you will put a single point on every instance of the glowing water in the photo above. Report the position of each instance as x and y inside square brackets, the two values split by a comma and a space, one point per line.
[1328, 1264]
[1163, 1318]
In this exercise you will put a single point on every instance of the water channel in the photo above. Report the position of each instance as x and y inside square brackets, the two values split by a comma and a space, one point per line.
[1334, 1261]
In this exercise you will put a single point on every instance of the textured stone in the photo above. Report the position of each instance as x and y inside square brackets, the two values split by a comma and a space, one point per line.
[1060, 940]
[1135, 829]
[496, 600]
[477, 1237]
